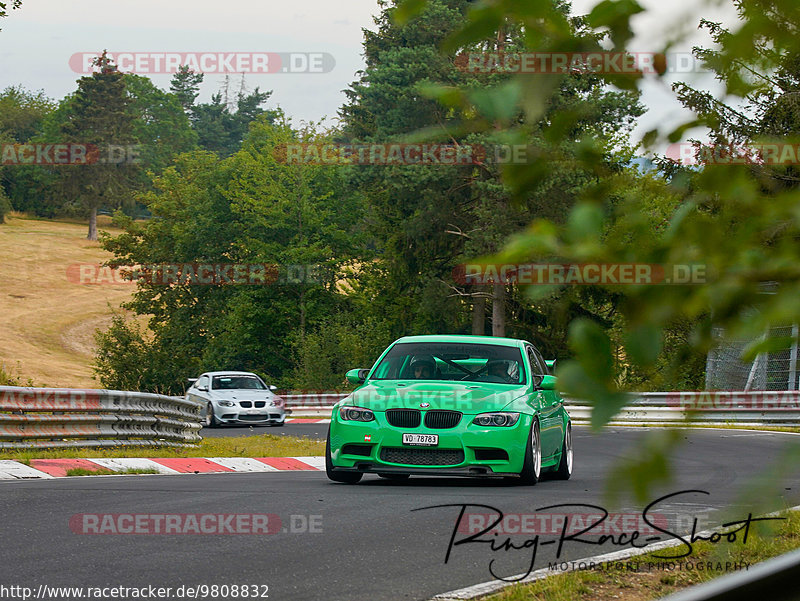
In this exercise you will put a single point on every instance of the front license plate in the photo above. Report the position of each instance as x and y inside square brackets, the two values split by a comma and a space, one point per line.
[421, 440]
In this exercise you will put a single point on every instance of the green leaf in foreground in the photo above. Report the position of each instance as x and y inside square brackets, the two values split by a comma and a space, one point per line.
[591, 375]
[409, 9]
[643, 344]
[647, 467]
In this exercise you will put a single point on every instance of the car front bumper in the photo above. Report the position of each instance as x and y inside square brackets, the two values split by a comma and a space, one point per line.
[232, 415]
[465, 450]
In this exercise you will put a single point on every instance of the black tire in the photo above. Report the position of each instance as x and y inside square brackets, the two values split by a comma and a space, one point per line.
[211, 419]
[564, 470]
[345, 477]
[532, 468]
[279, 424]
[395, 476]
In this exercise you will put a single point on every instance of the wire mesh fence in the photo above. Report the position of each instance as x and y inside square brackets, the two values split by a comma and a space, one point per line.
[775, 370]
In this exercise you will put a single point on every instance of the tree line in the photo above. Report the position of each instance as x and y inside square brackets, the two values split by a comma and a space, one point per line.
[391, 237]
[133, 127]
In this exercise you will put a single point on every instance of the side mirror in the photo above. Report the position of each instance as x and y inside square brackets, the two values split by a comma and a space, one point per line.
[551, 364]
[273, 388]
[547, 383]
[202, 388]
[357, 376]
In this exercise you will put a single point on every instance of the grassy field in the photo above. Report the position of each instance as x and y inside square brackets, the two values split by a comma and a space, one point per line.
[48, 322]
[259, 445]
[637, 582]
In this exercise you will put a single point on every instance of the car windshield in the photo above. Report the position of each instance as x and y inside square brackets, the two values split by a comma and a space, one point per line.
[237, 383]
[452, 361]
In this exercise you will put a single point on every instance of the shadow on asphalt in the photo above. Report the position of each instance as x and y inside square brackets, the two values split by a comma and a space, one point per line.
[444, 482]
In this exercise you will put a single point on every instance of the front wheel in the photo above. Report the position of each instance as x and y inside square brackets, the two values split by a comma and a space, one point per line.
[564, 470]
[211, 419]
[532, 467]
[345, 477]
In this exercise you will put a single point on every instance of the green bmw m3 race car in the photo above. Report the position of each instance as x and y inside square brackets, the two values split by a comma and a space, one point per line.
[474, 406]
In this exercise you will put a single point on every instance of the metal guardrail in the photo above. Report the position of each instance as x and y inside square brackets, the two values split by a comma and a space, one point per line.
[58, 418]
[755, 408]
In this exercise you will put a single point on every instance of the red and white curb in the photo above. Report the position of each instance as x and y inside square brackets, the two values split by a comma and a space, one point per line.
[57, 468]
[303, 420]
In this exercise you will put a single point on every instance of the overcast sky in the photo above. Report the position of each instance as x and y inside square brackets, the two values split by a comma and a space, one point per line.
[37, 41]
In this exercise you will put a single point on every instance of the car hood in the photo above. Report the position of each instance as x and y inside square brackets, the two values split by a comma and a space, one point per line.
[242, 395]
[467, 397]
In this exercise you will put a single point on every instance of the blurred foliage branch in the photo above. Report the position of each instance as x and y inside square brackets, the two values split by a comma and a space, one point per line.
[739, 221]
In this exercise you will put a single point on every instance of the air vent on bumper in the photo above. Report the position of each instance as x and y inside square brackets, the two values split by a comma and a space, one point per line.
[422, 456]
[491, 455]
[363, 450]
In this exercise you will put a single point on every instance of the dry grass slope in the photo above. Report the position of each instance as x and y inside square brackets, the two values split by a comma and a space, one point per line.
[47, 323]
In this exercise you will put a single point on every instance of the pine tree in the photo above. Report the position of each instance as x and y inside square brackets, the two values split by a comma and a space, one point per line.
[185, 85]
[771, 109]
[101, 119]
[4, 6]
[431, 218]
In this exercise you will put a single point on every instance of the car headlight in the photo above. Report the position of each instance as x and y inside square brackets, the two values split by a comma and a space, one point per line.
[226, 403]
[500, 418]
[356, 414]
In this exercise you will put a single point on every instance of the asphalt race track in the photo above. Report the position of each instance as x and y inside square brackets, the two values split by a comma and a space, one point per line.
[372, 544]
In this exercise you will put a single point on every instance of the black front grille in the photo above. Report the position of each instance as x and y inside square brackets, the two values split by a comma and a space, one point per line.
[357, 449]
[403, 418]
[422, 456]
[261, 404]
[437, 419]
[245, 404]
[252, 418]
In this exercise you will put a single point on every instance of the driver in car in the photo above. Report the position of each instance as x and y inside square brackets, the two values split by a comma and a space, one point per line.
[423, 367]
[499, 369]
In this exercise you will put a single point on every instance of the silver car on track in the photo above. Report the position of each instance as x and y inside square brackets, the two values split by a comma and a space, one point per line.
[237, 397]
